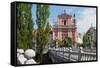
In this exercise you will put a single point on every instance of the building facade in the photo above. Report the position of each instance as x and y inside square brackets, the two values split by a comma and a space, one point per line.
[91, 37]
[65, 27]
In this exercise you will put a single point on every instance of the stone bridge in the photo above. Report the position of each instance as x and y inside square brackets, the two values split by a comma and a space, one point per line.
[72, 54]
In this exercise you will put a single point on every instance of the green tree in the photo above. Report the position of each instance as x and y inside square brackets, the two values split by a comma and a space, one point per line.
[24, 26]
[59, 43]
[90, 40]
[68, 41]
[43, 28]
[84, 40]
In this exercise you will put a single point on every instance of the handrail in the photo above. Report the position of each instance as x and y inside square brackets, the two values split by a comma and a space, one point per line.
[68, 54]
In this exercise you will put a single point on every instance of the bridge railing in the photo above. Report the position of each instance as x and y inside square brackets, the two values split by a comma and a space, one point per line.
[72, 54]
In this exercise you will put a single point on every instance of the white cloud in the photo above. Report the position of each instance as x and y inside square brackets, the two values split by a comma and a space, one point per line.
[87, 17]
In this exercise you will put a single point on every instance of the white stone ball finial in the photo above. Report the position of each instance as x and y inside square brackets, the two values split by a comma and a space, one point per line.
[29, 53]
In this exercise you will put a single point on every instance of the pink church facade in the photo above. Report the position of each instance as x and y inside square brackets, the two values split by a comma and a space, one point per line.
[65, 27]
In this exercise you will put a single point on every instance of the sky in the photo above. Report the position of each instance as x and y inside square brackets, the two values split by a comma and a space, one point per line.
[85, 16]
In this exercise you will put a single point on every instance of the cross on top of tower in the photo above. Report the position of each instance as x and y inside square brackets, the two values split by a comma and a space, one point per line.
[64, 11]
[91, 25]
[74, 15]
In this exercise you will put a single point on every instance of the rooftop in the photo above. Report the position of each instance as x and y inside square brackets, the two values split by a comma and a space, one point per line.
[64, 15]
